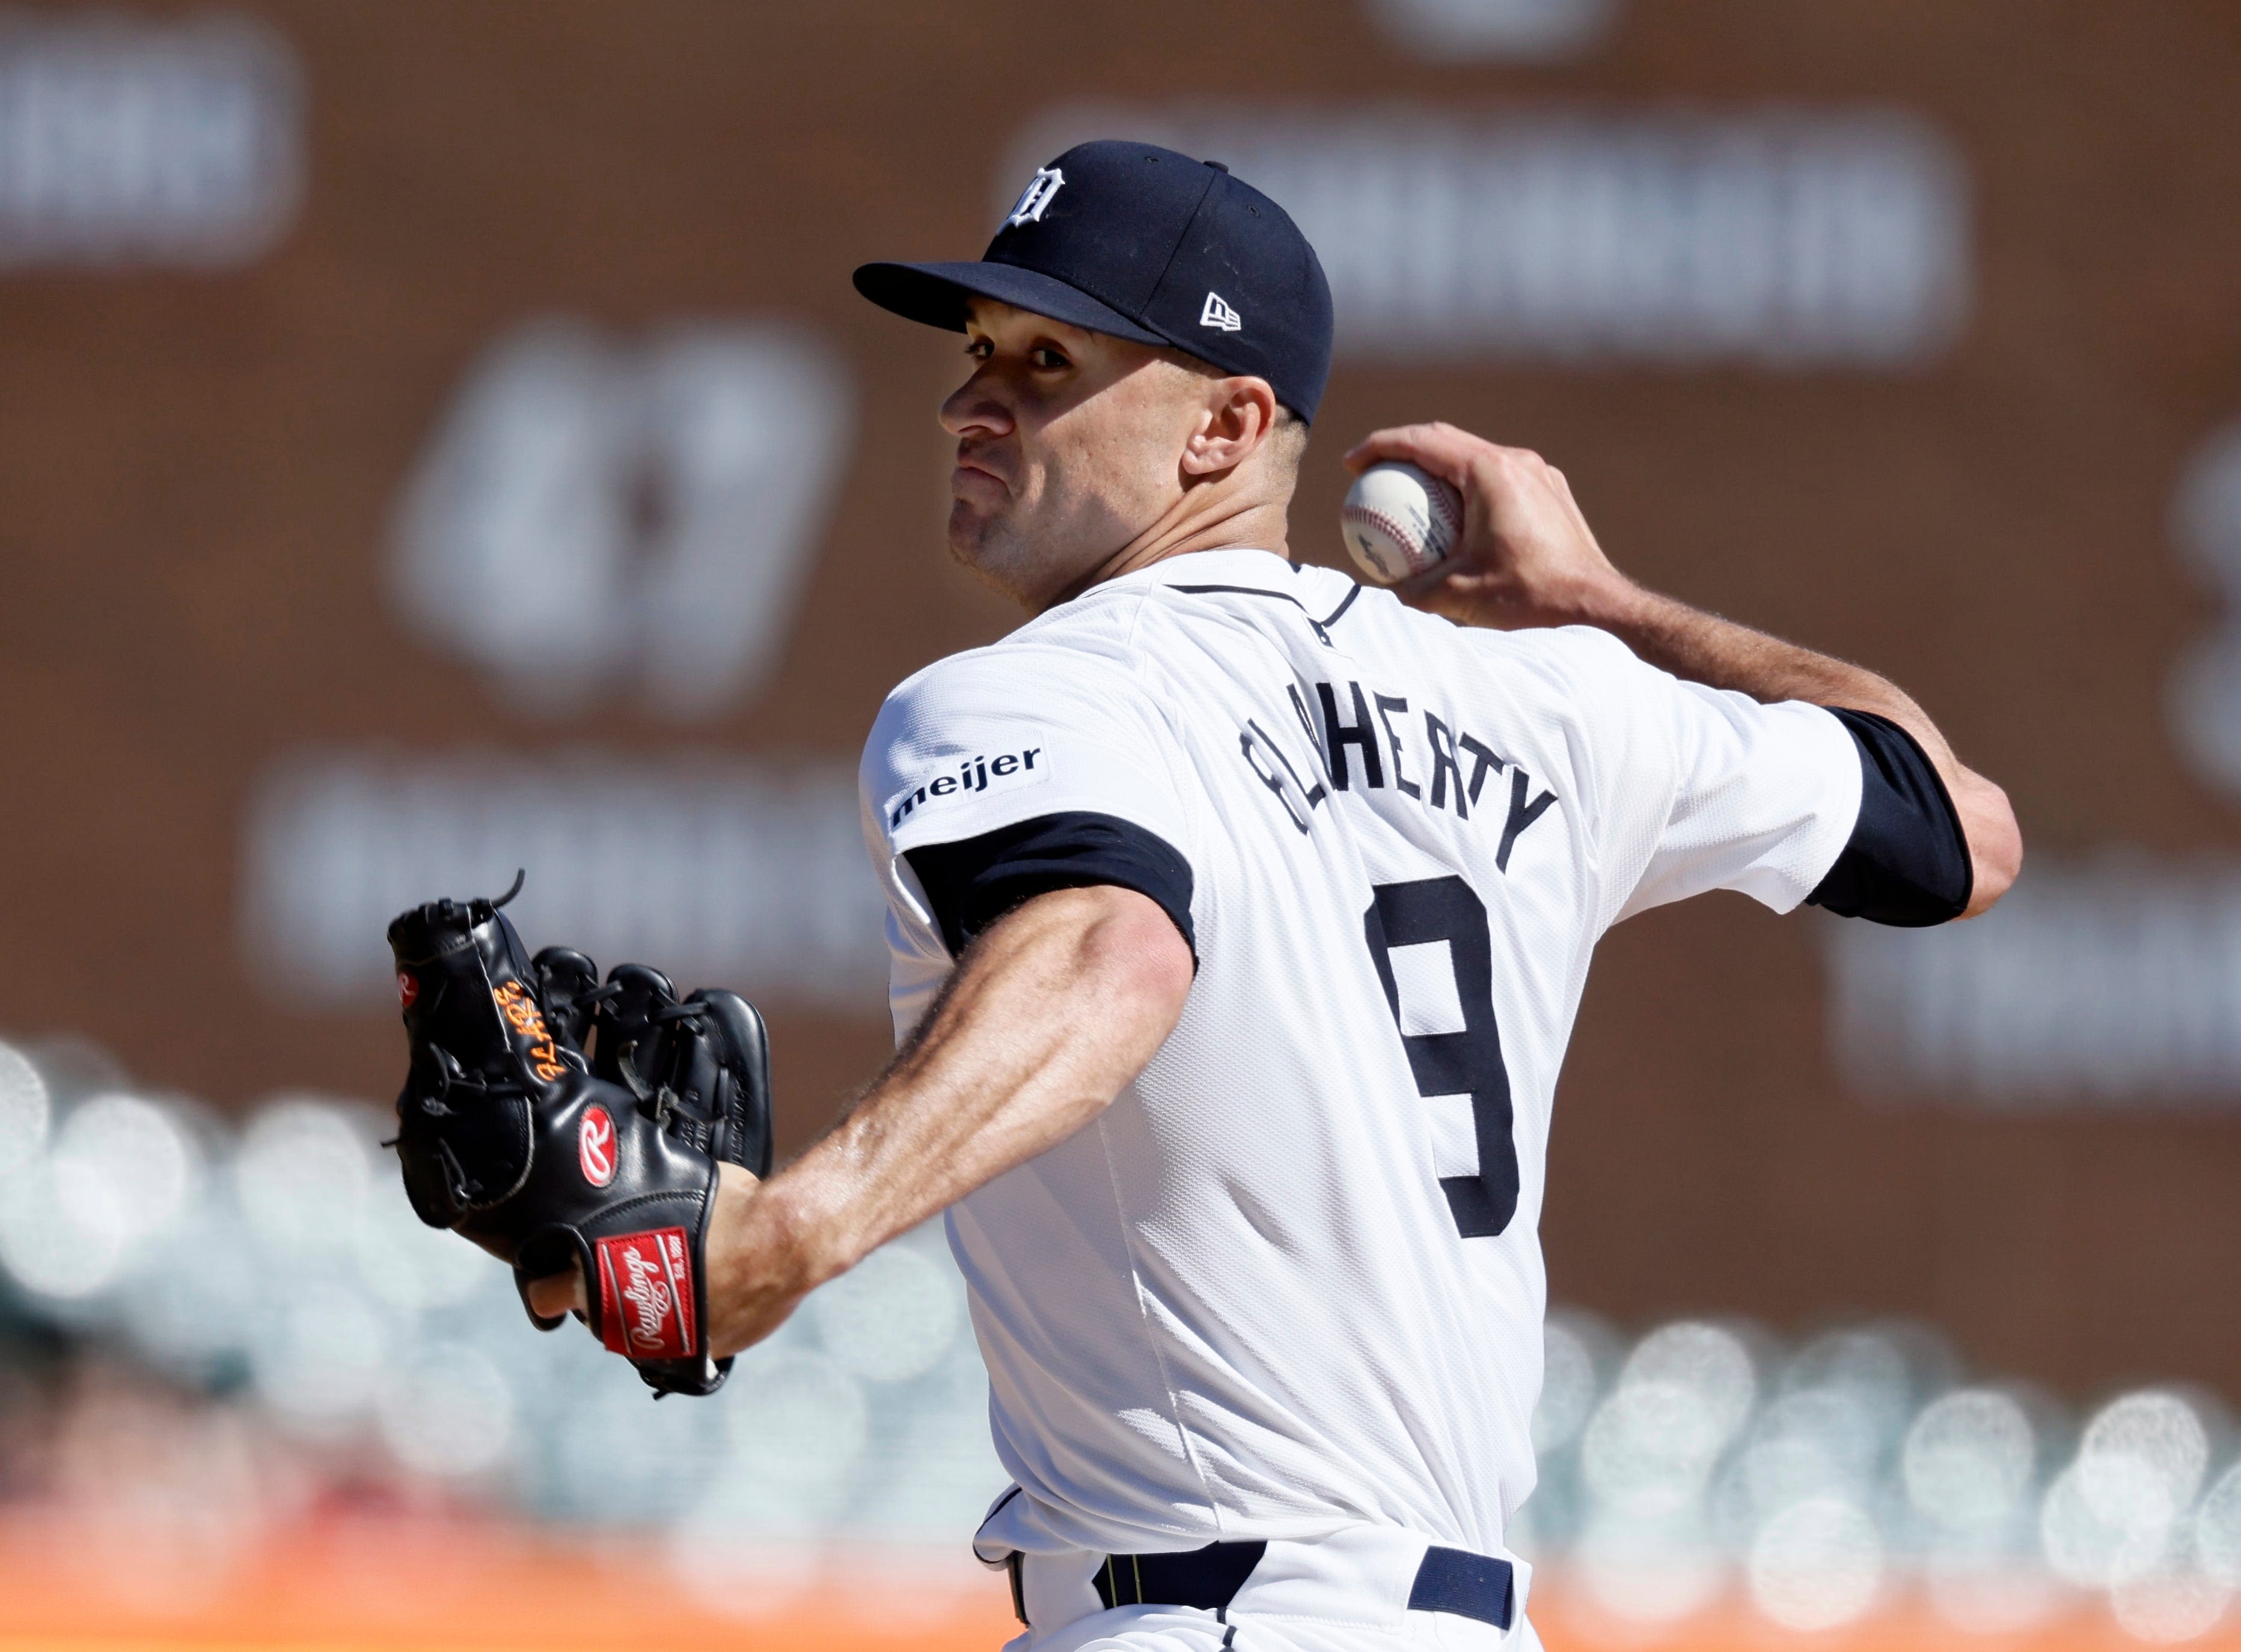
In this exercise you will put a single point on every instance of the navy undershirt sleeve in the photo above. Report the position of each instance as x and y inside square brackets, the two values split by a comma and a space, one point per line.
[1908, 861]
[971, 884]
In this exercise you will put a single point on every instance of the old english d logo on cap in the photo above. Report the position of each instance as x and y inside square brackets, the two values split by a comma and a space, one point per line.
[1035, 199]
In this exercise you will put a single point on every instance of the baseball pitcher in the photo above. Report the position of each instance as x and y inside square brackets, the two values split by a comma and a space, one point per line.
[1238, 916]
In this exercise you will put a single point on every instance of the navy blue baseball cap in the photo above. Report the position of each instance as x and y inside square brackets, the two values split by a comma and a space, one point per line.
[1146, 244]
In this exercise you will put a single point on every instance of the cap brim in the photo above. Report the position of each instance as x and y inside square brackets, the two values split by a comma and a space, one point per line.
[937, 295]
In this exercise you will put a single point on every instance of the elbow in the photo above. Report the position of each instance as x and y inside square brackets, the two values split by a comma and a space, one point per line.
[1143, 966]
[1996, 844]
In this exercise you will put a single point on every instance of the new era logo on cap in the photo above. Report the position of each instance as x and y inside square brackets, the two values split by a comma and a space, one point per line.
[1216, 312]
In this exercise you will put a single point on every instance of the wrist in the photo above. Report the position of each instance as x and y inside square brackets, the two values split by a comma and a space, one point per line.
[764, 1256]
[1604, 598]
[1607, 599]
[788, 1233]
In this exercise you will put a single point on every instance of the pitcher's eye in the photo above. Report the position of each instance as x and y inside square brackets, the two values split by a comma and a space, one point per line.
[1046, 358]
[981, 348]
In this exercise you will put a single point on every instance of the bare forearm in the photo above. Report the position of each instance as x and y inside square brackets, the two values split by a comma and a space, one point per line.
[1704, 647]
[1054, 1011]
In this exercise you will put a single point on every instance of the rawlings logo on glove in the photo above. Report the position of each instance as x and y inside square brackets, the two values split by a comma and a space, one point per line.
[645, 1296]
[595, 1146]
[558, 1122]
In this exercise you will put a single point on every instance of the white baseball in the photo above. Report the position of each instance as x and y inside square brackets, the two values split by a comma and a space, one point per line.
[1398, 520]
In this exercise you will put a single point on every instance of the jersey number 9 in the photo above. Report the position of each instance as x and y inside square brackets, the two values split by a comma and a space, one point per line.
[1455, 1063]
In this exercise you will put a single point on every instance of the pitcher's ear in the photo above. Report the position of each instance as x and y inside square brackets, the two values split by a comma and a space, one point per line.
[1240, 416]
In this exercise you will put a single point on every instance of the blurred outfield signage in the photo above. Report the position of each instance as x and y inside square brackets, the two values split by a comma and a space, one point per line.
[2206, 684]
[594, 513]
[748, 873]
[1787, 238]
[127, 142]
[2114, 982]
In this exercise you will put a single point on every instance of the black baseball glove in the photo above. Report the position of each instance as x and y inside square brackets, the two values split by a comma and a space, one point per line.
[546, 1156]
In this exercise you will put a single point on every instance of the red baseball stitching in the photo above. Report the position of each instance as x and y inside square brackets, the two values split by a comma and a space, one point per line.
[1437, 496]
[1393, 531]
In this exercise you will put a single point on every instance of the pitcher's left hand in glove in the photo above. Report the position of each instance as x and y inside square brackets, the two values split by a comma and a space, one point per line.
[555, 1160]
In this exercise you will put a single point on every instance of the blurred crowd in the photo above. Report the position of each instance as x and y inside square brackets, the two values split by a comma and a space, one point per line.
[1823, 1479]
[218, 1331]
[210, 1332]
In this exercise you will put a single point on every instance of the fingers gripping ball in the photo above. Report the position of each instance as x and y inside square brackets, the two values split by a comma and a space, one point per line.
[513, 1135]
[1398, 520]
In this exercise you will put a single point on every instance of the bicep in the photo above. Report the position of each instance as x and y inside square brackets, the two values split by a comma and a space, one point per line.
[1126, 959]
[1062, 1001]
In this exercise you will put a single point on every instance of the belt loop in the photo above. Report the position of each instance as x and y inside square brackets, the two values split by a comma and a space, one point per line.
[1470, 1585]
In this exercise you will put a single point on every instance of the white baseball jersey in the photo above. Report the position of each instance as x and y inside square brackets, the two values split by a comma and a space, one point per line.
[1290, 1281]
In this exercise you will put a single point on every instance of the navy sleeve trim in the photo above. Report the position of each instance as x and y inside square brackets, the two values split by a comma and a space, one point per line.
[1908, 862]
[971, 884]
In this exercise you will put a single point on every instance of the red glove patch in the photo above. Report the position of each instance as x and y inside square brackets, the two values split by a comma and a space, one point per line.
[646, 1295]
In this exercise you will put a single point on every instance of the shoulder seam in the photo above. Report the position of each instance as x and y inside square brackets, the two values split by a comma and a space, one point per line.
[1322, 635]
[1153, 678]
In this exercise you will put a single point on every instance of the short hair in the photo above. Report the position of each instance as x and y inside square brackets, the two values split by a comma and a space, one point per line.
[1289, 434]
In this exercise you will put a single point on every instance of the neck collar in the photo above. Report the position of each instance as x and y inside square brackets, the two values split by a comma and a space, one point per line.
[1258, 569]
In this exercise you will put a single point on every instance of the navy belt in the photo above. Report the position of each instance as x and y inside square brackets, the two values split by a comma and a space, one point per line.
[1450, 1579]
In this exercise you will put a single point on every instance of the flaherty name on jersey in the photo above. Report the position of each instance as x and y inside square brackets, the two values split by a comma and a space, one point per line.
[1421, 756]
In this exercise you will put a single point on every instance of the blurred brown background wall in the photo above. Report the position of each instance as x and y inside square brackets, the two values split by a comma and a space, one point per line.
[207, 477]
